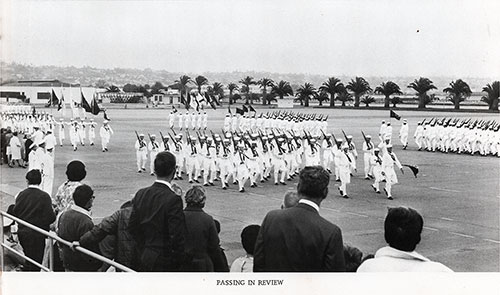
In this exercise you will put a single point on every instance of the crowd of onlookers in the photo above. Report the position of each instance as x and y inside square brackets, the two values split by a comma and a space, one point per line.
[157, 231]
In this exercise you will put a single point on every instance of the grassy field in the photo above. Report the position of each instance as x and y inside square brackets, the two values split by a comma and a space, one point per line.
[458, 195]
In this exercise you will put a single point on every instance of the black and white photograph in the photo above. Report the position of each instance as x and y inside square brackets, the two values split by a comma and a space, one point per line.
[316, 146]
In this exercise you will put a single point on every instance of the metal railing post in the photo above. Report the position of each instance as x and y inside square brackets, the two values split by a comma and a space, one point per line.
[51, 254]
[1, 248]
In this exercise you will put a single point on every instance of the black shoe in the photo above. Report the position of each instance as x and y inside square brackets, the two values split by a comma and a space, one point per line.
[91, 144]
[205, 184]
[139, 171]
[211, 183]
[371, 176]
[253, 185]
[262, 180]
[180, 178]
[224, 188]
[226, 184]
[283, 183]
[242, 190]
[337, 180]
[143, 169]
[106, 149]
[367, 177]
[276, 183]
[103, 151]
[390, 198]
[345, 197]
[374, 188]
[196, 180]
[190, 181]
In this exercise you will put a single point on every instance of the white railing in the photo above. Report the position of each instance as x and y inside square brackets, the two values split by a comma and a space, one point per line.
[52, 236]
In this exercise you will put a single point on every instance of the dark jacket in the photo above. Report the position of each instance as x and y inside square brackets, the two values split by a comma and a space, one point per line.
[71, 226]
[202, 242]
[298, 239]
[157, 225]
[115, 227]
[34, 206]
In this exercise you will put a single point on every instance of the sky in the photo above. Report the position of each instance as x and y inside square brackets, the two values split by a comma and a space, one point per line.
[458, 38]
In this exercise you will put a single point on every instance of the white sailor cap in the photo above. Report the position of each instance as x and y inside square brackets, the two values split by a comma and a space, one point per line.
[368, 136]
[345, 146]
[178, 136]
[236, 138]
[226, 140]
[389, 146]
[209, 139]
[387, 136]
[349, 136]
[193, 138]
[241, 145]
[328, 135]
[281, 139]
[376, 150]
[153, 135]
[105, 122]
[141, 135]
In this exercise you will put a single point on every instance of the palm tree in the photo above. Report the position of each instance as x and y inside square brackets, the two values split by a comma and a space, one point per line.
[305, 92]
[247, 82]
[421, 86]
[387, 89]
[332, 86]
[281, 89]
[359, 86]
[218, 89]
[112, 88]
[321, 96]
[493, 92]
[232, 87]
[182, 83]
[367, 100]
[200, 81]
[458, 92]
[264, 83]
[344, 96]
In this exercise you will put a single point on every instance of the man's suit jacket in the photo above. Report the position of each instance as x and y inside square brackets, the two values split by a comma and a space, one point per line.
[157, 225]
[298, 239]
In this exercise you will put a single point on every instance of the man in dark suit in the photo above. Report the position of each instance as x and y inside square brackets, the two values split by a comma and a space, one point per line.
[298, 239]
[157, 221]
[34, 206]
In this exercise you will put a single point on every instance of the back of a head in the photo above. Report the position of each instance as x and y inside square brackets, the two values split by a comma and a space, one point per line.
[34, 177]
[75, 171]
[164, 164]
[291, 199]
[353, 257]
[313, 182]
[195, 197]
[249, 237]
[82, 195]
[403, 227]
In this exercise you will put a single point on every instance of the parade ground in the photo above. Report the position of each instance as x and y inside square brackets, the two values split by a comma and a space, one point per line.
[458, 195]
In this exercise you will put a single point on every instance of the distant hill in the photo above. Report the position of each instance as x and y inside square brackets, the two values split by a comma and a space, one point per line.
[89, 76]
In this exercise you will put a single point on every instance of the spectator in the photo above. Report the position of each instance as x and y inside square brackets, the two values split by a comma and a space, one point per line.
[11, 261]
[248, 238]
[27, 148]
[202, 240]
[224, 258]
[33, 206]
[3, 146]
[75, 172]
[114, 229]
[298, 238]
[403, 227]
[352, 257]
[157, 221]
[8, 153]
[15, 150]
[72, 225]
[291, 199]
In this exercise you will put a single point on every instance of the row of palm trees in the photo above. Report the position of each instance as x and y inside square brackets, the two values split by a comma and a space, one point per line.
[357, 90]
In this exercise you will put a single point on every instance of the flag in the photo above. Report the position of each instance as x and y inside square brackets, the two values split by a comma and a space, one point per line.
[55, 100]
[34, 111]
[106, 116]
[61, 102]
[85, 104]
[394, 115]
[414, 169]
[239, 111]
[173, 108]
[245, 110]
[252, 109]
[183, 101]
[214, 100]
[95, 110]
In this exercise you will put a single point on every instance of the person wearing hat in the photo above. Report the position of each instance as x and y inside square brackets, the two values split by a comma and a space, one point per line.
[368, 147]
[61, 134]
[337, 150]
[207, 157]
[92, 126]
[179, 154]
[389, 159]
[353, 153]
[227, 122]
[15, 150]
[171, 119]
[180, 117]
[382, 131]
[154, 149]
[242, 172]
[37, 133]
[141, 153]
[327, 146]
[345, 167]
[73, 134]
[187, 120]
[193, 160]
[278, 162]
[403, 134]
[225, 162]
[50, 142]
[82, 127]
[34, 206]
[418, 135]
[105, 132]
[377, 170]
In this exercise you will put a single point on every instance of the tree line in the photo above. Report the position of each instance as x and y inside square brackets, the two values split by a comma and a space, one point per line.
[332, 90]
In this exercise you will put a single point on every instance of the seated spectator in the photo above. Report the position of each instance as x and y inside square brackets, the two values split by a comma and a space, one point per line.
[202, 241]
[403, 227]
[248, 238]
[352, 256]
[117, 243]
[75, 172]
[224, 258]
[11, 261]
[72, 225]
[33, 206]
[290, 200]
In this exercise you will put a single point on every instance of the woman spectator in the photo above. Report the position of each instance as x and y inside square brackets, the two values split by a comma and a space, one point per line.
[202, 241]
[75, 171]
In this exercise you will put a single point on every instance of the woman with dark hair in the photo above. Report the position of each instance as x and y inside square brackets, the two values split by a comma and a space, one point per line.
[75, 171]
[202, 240]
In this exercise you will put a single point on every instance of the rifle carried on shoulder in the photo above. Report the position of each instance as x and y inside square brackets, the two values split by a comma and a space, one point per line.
[141, 143]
